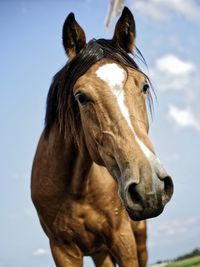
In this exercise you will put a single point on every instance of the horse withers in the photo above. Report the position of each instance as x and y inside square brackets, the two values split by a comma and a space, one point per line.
[95, 169]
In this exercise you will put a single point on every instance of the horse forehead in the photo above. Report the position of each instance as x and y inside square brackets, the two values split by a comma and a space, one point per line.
[112, 74]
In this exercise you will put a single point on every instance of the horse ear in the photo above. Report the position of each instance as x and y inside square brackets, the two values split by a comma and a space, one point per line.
[125, 31]
[73, 36]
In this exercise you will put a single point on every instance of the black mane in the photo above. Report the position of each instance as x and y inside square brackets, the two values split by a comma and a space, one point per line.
[61, 106]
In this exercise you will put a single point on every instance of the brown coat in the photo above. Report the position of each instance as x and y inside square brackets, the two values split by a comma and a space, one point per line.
[95, 169]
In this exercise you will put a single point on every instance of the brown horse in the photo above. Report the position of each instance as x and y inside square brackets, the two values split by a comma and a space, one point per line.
[95, 168]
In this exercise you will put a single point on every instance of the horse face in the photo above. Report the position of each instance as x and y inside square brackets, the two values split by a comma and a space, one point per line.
[113, 113]
[111, 100]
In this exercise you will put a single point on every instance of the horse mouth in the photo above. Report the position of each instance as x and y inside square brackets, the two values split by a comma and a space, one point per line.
[144, 214]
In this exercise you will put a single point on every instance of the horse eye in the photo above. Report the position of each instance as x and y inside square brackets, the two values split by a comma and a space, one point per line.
[82, 98]
[145, 88]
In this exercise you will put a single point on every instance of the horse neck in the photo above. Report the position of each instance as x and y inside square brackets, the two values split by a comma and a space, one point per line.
[70, 163]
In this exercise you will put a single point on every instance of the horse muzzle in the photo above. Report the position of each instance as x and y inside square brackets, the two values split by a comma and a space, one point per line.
[142, 203]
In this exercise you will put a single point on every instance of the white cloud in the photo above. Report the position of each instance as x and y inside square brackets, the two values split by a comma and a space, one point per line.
[172, 228]
[184, 118]
[40, 252]
[174, 65]
[178, 227]
[162, 9]
[172, 73]
[181, 78]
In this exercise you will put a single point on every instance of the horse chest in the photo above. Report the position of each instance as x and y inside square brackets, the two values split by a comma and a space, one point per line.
[85, 225]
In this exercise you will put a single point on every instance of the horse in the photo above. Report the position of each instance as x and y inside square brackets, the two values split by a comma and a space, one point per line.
[95, 171]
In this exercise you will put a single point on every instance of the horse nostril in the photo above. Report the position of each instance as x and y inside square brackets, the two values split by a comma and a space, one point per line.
[168, 187]
[134, 194]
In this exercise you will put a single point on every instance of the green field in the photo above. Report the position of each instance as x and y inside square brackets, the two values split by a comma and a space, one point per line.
[191, 262]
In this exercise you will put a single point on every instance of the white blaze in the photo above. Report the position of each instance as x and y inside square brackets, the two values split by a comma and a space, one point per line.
[114, 76]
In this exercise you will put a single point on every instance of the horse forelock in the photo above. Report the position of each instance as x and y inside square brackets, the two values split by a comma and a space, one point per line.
[61, 106]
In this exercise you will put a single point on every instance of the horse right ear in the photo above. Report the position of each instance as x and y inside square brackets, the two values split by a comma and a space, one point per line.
[73, 37]
[125, 31]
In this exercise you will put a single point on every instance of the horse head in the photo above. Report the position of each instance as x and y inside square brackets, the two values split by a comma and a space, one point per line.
[108, 95]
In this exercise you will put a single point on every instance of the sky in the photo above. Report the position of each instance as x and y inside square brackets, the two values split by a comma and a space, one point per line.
[168, 34]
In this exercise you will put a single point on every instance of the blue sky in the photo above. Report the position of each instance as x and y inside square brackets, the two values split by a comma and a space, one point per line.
[168, 34]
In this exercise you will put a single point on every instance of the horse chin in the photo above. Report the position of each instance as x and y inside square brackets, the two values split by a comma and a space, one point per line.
[145, 214]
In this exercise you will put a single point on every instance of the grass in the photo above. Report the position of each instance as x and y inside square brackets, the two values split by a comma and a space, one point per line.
[191, 262]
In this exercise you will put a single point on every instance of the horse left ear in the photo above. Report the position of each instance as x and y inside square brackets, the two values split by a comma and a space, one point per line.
[125, 31]
[73, 36]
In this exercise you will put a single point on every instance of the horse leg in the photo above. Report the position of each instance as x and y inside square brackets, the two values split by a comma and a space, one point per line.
[123, 247]
[103, 259]
[65, 256]
[140, 233]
